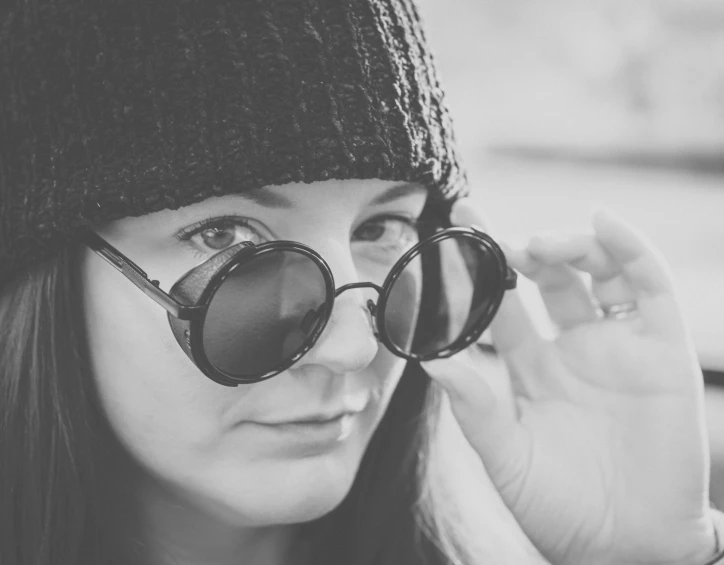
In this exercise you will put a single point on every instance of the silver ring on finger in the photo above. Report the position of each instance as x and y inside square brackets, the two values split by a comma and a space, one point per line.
[619, 311]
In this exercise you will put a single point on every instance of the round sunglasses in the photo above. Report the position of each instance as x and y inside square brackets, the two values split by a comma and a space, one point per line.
[251, 311]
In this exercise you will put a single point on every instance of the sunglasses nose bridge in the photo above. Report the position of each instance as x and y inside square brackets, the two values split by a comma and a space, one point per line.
[371, 306]
[351, 286]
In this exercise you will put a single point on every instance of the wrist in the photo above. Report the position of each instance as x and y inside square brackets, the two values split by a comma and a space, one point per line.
[717, 555]
[707, 549]
[714, 552]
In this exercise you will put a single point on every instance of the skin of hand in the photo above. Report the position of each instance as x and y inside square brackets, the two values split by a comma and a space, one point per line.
[604, 459]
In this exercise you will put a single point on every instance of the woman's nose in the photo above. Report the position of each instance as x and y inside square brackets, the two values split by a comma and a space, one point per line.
[348, 343]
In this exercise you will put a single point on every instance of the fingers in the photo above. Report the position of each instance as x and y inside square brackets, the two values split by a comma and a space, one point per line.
[642, 264]
[623, 266]
[564, 292]
[485, 415]
[561, 259]
[646, 272]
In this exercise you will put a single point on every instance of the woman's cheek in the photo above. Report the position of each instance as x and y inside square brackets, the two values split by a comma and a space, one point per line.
[149, 390]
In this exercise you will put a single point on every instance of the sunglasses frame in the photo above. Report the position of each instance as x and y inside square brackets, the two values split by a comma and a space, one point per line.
[188, 300]
[507, 281]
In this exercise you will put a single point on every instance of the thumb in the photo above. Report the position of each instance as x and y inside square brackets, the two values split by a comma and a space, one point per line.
[486, 415]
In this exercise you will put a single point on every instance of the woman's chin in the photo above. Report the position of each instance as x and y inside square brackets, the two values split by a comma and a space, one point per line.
[295, 491]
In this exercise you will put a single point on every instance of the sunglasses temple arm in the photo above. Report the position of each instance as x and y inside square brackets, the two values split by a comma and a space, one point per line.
[136, 275]
[511, 279]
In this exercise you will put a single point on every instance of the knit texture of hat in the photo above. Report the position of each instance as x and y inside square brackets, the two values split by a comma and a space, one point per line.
[121, 108]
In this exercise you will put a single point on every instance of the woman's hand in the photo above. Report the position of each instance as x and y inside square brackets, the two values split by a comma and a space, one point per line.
[606, 459]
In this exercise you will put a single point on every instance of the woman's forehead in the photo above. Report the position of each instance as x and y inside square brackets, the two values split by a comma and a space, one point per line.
[348, 195]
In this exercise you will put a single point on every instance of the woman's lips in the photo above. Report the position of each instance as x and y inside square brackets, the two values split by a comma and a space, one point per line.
[310, 437]
[314, 426]
[319, 418]
[349, 405]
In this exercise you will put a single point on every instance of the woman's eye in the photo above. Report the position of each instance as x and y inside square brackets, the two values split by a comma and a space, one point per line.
[388, 230]
[218, 234]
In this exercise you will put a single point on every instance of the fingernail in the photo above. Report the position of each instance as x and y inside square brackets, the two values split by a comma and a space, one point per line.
[611, 216]
[515, 244]
[438, 368]
[551, 238]
[460, 379]
[448, 369]
[606, 211]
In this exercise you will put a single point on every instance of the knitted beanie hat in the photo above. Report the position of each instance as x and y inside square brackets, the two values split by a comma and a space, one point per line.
[115, 108]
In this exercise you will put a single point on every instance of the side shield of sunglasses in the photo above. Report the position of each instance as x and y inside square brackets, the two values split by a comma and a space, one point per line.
[252, 311]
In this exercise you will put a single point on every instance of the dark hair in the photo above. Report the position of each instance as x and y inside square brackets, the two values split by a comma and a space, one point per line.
[57, 501]
[50, 444]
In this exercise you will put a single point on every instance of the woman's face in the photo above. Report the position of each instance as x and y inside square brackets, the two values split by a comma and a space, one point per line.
[216, 446]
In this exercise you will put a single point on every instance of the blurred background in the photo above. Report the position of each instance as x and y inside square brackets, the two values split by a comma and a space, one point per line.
[562, 106]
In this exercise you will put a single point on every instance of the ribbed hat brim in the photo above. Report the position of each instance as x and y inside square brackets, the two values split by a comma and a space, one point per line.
[137, 106]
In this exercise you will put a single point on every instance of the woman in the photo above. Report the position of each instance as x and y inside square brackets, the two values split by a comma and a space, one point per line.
[280, 180]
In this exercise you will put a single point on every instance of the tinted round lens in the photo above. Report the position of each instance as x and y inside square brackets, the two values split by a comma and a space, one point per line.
[451, 287]
[263, 313]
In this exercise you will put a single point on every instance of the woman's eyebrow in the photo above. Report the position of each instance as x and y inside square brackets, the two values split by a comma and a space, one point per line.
[396, 192]
[265, 197]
